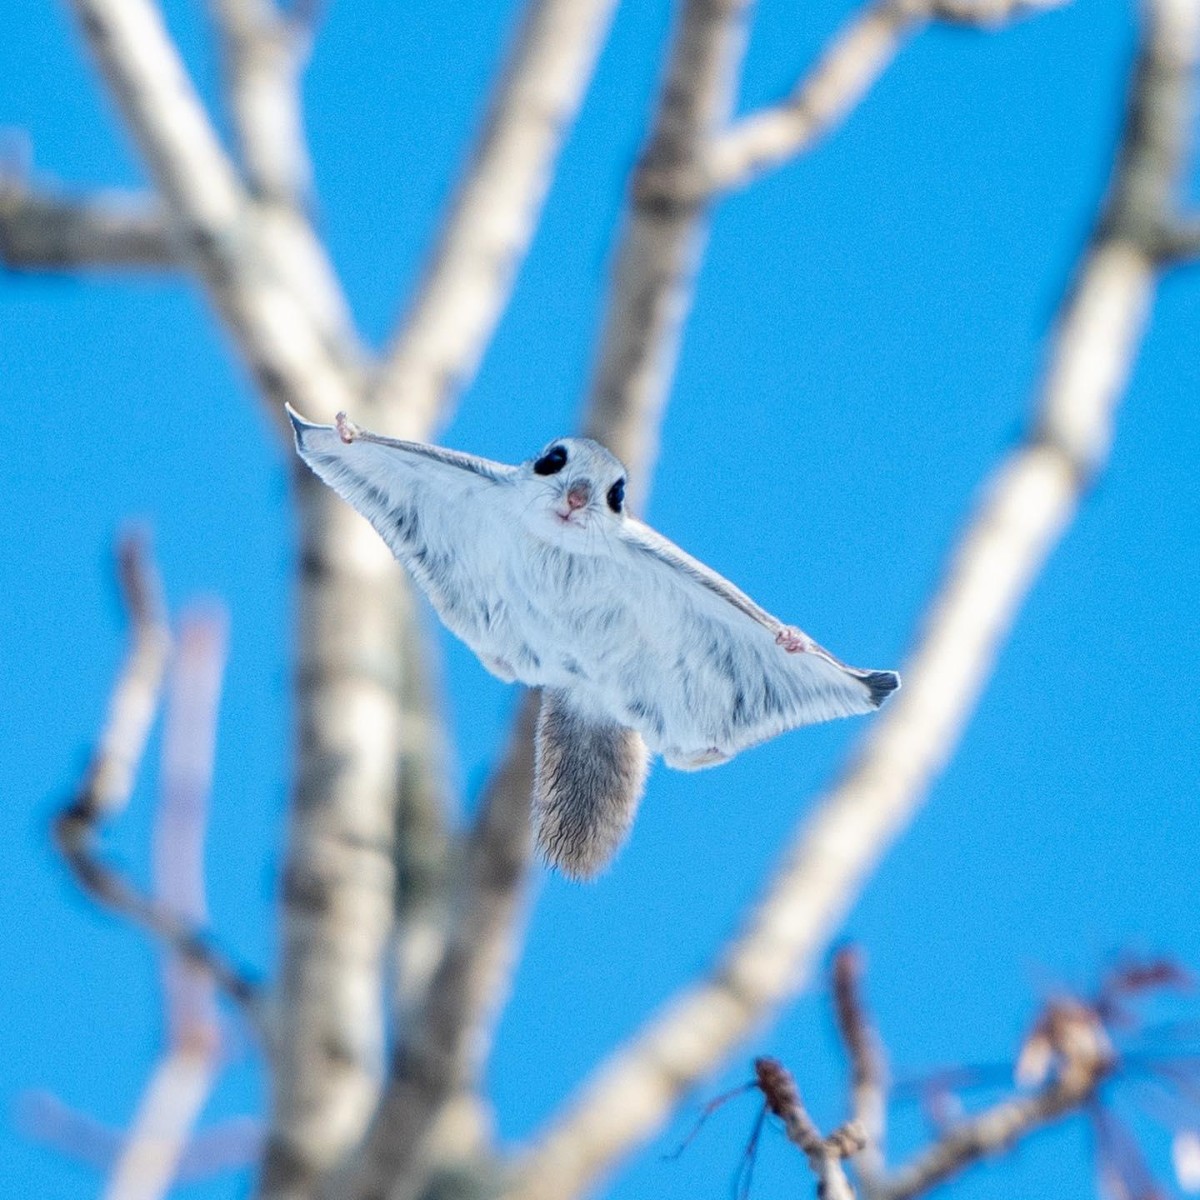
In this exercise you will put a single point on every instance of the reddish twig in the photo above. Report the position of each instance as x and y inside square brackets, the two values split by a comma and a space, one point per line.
[825, 1154]
[868, 1073]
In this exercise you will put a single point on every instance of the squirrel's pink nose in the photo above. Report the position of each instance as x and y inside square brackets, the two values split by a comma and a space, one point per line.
[578, 495]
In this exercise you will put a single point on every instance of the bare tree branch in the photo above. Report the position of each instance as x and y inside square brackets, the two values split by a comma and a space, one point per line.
[189, 750]
[169, 1109]
[868, 1099]
[264, 51]
[825, 1154]
[424, 838]
[1027, 506]
[183, 1080]
[107, 887]
[660, 249]
[839, 81]
[108, 783]
[44, 1118]
[778, 1085]
[265, 272]
[108, 230]
[1074, 1055]
[694, 154]
[988, 1133]
[339, 879]
[491, 223]
[441, 1056]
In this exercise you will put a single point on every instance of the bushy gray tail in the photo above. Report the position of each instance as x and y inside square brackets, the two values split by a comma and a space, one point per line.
[588, 779]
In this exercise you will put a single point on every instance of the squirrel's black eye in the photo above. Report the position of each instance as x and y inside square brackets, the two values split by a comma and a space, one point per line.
[616, 495]
[551, 462]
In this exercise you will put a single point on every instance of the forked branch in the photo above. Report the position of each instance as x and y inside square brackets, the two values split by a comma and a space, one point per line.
[1079, 1060]
[851, 64]
[264, 270]
[825, 1154]
[1029, 502]
[493, 216]
[108, 784]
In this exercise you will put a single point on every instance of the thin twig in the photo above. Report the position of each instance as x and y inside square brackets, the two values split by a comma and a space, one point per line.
[825, 1154]
[1031, 499]
[988, 1133]
[854, 60]
[778, 1085]
[1079, 1061]
[108, 783]
[868, 1074]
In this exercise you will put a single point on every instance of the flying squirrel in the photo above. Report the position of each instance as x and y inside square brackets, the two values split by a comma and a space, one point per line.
[638, 648]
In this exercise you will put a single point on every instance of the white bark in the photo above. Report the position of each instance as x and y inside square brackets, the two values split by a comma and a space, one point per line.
[265, 273]
[263, 52]
[659, 252]
[850, 65]
[494, 215]
[1028, 503]
[165, 1118]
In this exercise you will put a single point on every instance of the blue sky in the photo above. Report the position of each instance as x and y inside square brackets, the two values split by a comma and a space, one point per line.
[868, 333]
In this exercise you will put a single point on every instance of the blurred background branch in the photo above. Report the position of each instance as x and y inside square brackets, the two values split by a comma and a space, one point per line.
[107, 231]
[144, 1164]
[491, 221]
[1027, 504]
[184, 1077]
[1077, 1043]
[108, 784]
[263, 50]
